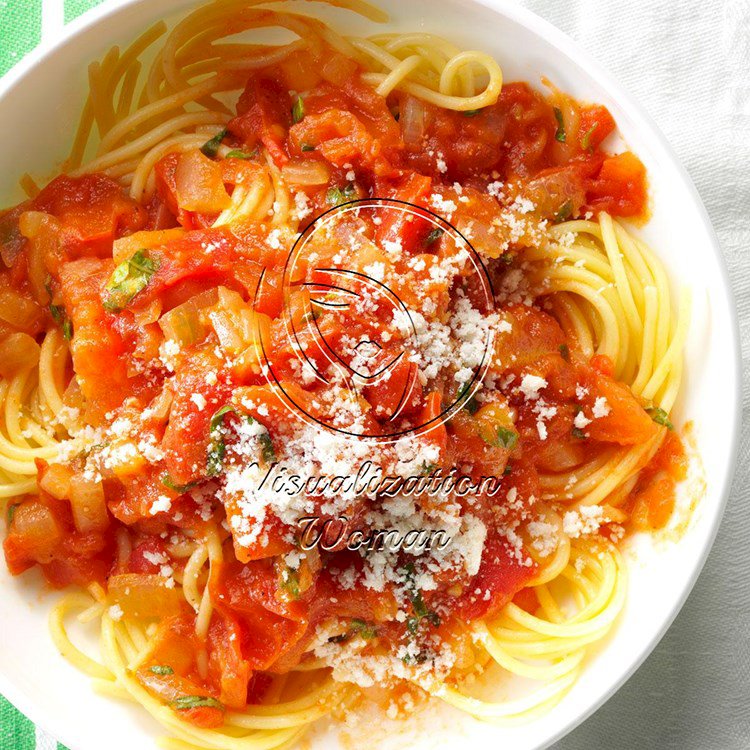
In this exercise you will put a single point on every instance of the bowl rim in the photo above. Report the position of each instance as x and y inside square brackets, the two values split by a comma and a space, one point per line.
[544, 29]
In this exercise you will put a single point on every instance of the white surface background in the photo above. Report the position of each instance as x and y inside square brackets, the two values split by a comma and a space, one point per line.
[688, 63]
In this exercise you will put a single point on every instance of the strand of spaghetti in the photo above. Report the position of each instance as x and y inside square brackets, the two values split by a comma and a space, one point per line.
[649, 353]
[48, 380]
[221, 82]
[154, 137]
[192, 572]
[102, 105]
[614, 255]
[65, 646]
[288, 718]
[673, 352]
[520, 706]
[532, 671]
[631, 461]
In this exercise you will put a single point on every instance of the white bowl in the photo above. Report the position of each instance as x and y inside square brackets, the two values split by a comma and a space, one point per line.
[39, 105]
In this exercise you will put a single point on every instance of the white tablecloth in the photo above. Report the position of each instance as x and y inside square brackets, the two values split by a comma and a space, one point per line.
[688, 63]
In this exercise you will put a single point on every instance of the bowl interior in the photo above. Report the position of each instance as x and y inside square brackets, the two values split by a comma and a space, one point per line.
[39, 107]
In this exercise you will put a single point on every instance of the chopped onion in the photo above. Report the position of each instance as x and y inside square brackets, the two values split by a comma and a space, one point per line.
[306, 172]
[20, 311]
[38, 528]
[186, 324]
[56, 481]
[413, 121]
[141, 595]
[199, 184]
[18, 352]
[88, 505]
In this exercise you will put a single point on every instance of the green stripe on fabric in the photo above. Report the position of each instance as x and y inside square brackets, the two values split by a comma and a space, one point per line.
[60, 746]
[16, 731]
[74, 8]
[20, 30]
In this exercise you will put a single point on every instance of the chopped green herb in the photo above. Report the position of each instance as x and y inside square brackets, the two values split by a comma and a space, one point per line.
[660, 417]
[180, 489]
[310, 316]
[308, 147]
[507, 470]
[161, 669]
[10, 512]
[505, 438]
[471, 112]
[433, 236]
[211, 148]
[290, 582]
[336, 196]
[428, 469]
[61, 318]
[217, 448]
[471, 405]
[298, 110]
[565, 352]
[58, 312]
[577, 432]
[129, 278]
[364, 629]
[237, 154]
[186, 702]
[560, 132]
[421, 612]
[586, 140]
[564, 212]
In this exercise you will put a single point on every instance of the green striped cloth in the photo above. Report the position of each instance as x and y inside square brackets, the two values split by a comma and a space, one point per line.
[23, 24]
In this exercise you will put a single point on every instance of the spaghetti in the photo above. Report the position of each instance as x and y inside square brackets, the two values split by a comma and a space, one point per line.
[142, 310]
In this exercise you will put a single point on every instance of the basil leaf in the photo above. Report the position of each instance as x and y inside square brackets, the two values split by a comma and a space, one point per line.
[308, 147]
[298, 110]
[161, 669]
[471, 112]
[129, 278]
[505, 438]
[217, 447]
[180, 489]
[660, 417]
[211, 148]
[336, 196]
[577, 432]
[186, 702]
[10, 513]
[586, 140]
[560, 132]
[564, 352]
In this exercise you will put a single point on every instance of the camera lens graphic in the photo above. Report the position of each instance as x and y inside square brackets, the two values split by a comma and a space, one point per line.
[371, 325]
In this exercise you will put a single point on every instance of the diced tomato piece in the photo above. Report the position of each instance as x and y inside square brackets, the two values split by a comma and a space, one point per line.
[499, 579]
[264, 115]
[94, 211]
